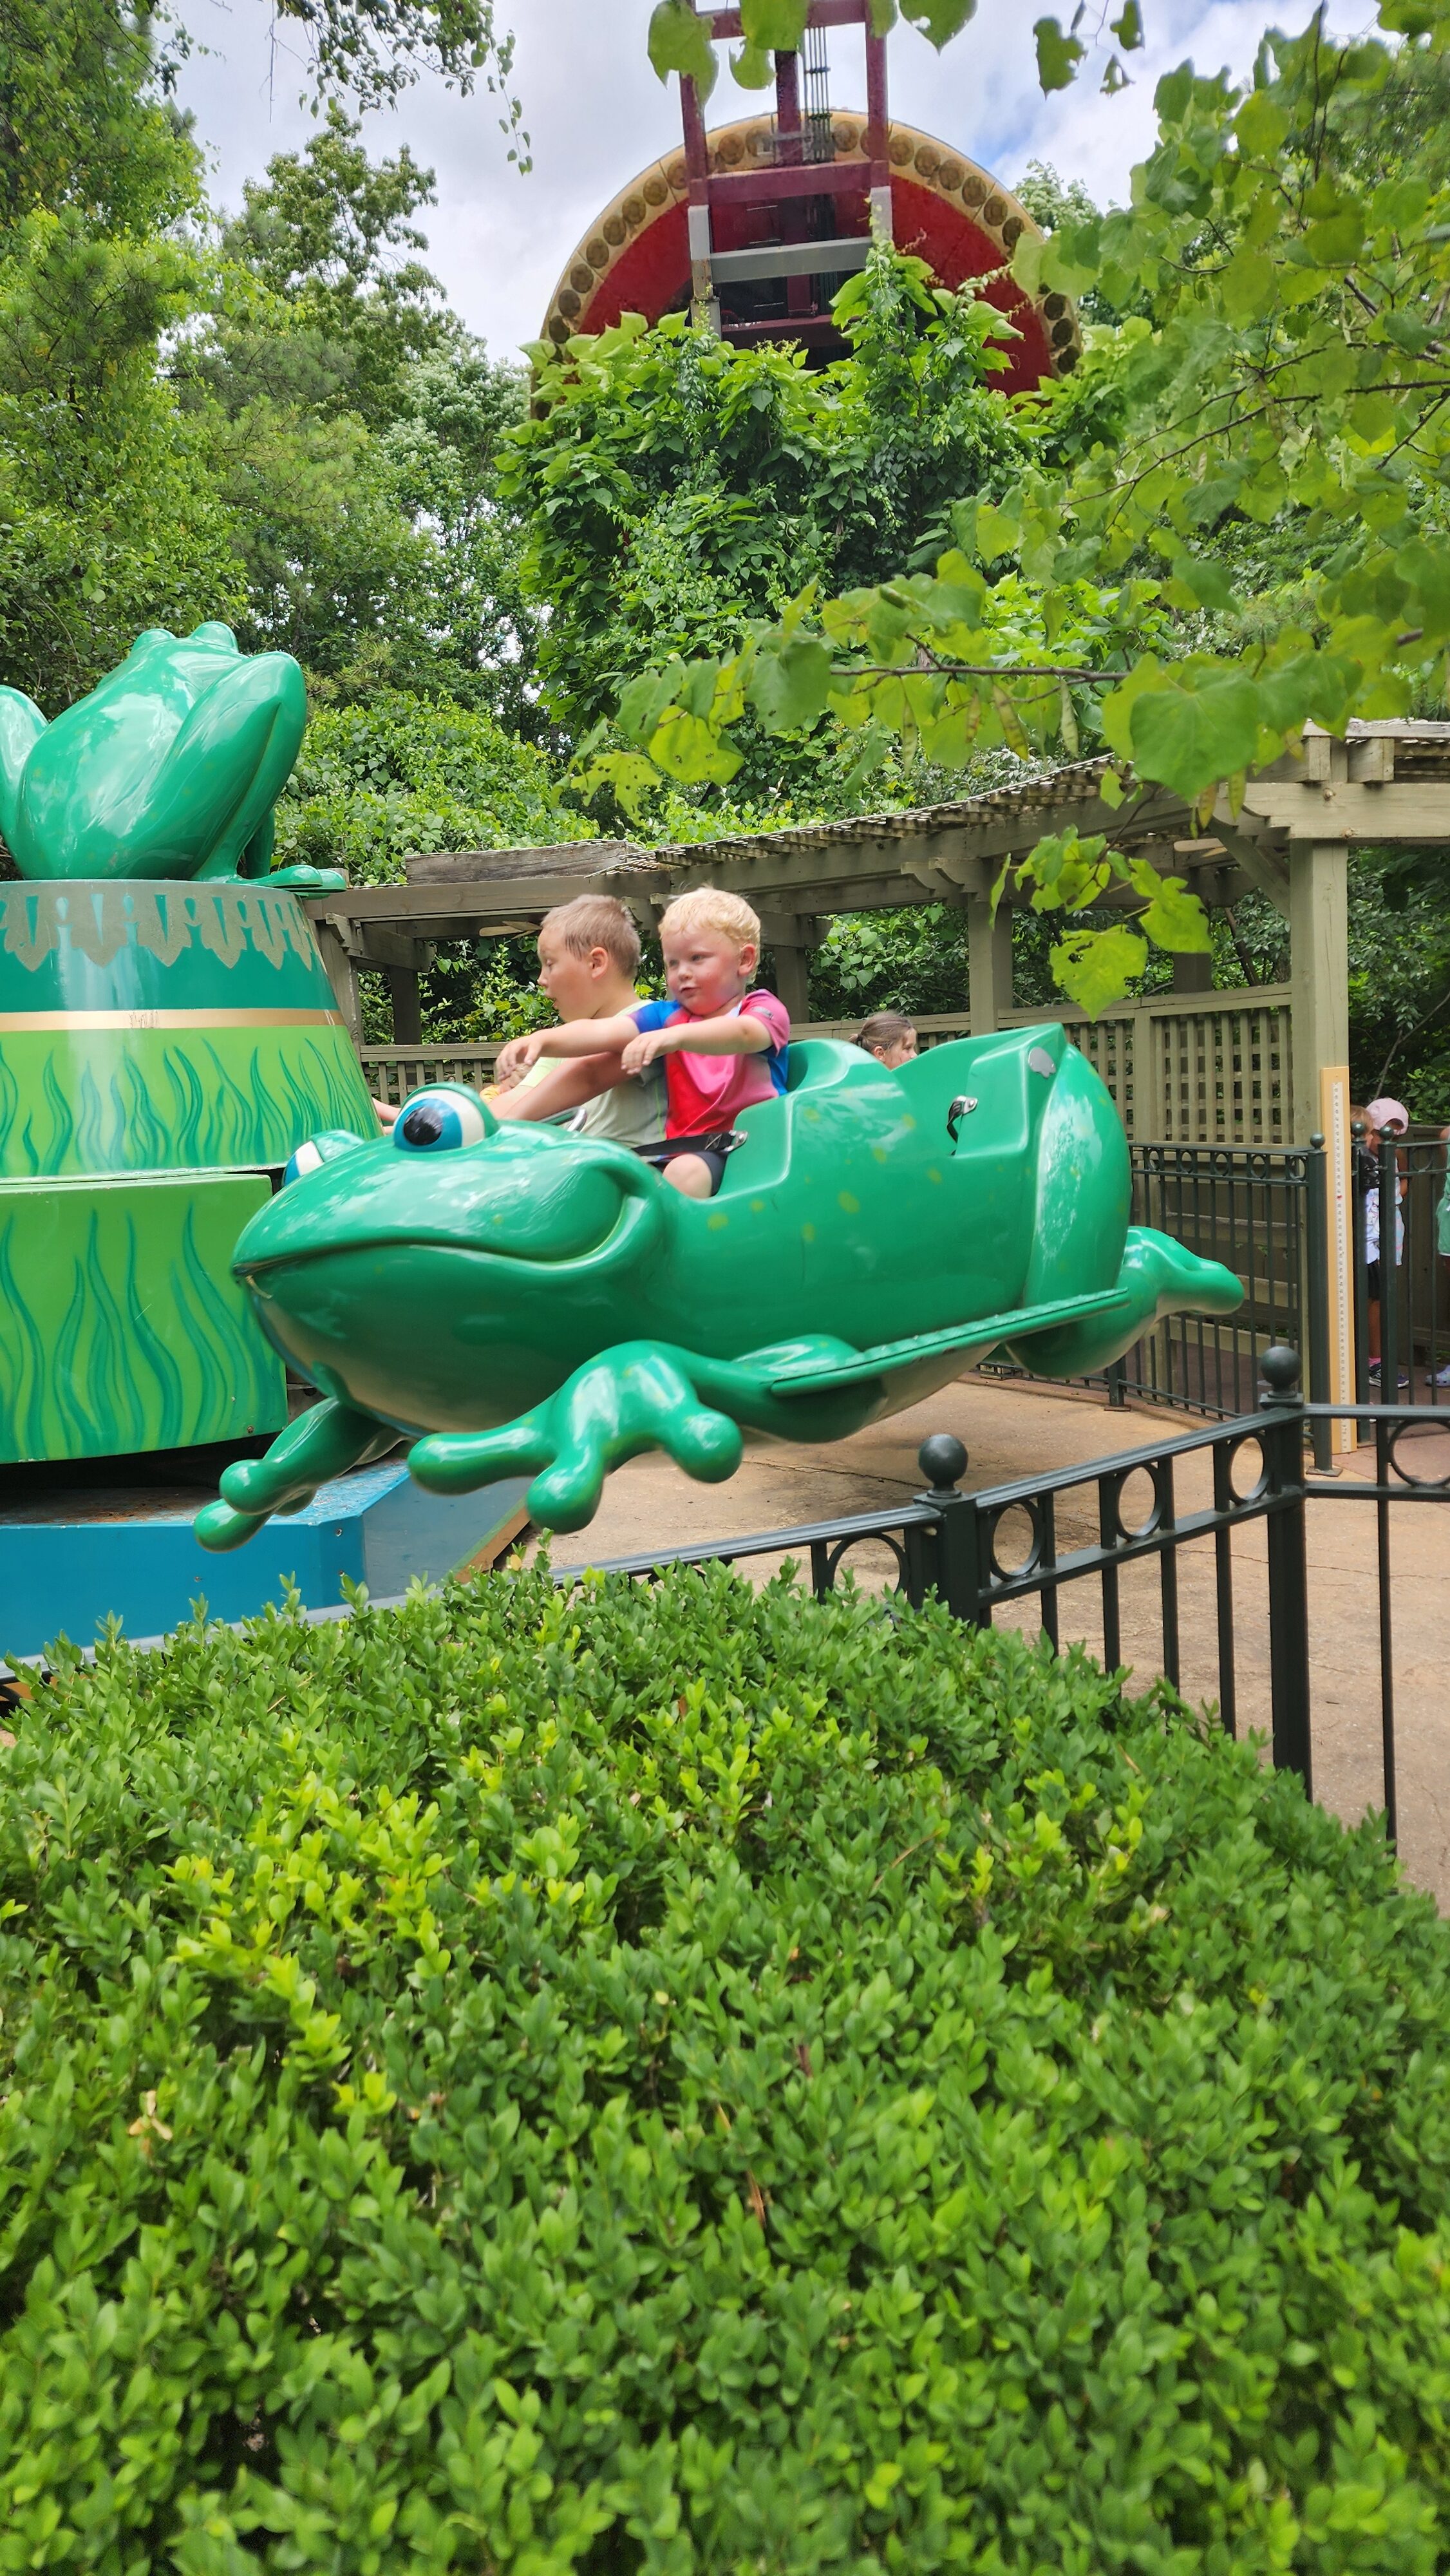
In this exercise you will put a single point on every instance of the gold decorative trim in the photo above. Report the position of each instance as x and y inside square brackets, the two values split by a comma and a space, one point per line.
[38, 1023]
[922, 158]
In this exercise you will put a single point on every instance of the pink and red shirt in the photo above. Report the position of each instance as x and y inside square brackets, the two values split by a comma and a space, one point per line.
[706, 1091]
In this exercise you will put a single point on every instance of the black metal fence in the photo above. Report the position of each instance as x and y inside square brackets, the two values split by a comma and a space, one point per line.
[1260, 1210]
[1402, 1271]
[983, 1552]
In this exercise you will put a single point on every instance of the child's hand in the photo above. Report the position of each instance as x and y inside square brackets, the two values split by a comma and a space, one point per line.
[643, 1050]
[516, 1058]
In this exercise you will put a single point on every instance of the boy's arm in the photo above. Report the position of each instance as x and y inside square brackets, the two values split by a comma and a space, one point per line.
[567, 1087]
[735, 1033]
[575, 1038]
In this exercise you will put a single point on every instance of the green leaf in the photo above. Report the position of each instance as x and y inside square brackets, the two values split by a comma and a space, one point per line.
[1206, 583]
[774, 26]
[789, 687]
[644, 701]
[688, 749]
[1173, 918]
[938, 20]
[679, 42]
[1248, 286]
[751, 68]
[1196, 731]
[883, 17]
[1058, 55]
[1129, 27]
[633, 779]
[1095, 967]
[1116, 712]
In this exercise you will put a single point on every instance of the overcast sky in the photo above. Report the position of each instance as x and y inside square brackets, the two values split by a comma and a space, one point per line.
[596, 114]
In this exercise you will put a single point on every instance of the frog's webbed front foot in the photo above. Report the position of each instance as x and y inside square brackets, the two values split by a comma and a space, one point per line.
[318, 1445]
[638, 1396]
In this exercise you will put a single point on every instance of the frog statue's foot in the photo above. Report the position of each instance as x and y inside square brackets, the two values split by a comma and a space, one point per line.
[637, 1396]
[320, 1444]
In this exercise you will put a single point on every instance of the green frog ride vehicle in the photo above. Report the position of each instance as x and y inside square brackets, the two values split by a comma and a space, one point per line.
[512, 1298]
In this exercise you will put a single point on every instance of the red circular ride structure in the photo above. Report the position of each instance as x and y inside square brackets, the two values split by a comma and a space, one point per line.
[753, 225]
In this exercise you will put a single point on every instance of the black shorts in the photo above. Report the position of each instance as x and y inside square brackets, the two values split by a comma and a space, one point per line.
[1372, 1280]
[713, 1150]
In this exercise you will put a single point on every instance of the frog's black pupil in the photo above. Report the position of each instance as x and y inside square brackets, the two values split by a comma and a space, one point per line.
[424, 1125]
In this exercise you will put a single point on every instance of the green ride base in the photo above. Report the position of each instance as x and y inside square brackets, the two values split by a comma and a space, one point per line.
[164, 1048]
[165, 1027]
[121, 1326]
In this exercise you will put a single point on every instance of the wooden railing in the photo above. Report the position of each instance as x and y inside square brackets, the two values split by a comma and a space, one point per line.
[1183, 1068]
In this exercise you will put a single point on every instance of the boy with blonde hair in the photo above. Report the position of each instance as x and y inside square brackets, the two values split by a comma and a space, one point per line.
[588, 960]
[723, 1042]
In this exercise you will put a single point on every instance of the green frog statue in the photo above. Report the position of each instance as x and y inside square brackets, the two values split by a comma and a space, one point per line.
[508, 1298]
[170, 768]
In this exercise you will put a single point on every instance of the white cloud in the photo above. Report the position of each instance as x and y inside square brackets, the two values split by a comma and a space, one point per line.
[596, 113]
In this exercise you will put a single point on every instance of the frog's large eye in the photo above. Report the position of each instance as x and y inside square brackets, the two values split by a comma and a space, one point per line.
[440, 1120]
[319, 1150]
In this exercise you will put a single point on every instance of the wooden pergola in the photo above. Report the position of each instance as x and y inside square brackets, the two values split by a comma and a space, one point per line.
[1290, 839]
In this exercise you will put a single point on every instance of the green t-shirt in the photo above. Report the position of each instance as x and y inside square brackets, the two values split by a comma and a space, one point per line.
[633, 1113]
[1442, 1219]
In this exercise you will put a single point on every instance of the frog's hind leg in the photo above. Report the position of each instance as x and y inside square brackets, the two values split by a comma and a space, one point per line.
[231, 760]
[638, 1396]
[320, 1444]
[1158, 1277]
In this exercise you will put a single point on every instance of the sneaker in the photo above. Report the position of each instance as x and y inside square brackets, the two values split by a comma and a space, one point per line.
[1442, 1376]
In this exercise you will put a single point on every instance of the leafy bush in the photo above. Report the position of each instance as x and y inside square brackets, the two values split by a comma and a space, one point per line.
[376, 785]
[681, 2080]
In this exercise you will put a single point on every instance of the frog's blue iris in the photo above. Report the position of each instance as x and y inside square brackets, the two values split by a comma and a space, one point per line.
[439, 1121]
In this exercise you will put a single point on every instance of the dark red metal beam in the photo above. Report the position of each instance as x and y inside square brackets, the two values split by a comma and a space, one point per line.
[765, 185]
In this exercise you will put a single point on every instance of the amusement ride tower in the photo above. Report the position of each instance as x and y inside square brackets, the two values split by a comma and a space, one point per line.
[754, 225]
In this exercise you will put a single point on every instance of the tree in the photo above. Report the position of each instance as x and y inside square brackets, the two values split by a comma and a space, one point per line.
[108, 516]
[672, 483]
[1288, 368]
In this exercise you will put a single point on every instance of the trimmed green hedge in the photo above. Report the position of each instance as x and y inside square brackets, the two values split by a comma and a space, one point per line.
[674, 2079]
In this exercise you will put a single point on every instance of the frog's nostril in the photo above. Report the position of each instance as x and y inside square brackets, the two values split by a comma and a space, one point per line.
[424, 1125]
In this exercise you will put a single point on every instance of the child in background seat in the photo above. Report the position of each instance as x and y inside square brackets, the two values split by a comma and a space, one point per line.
[723, 1042]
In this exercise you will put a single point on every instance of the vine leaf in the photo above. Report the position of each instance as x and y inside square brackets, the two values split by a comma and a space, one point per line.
[1058, 55]
[789, 688]
[1189, 736]
[679, 42]
[1096, 967]
[938, 20]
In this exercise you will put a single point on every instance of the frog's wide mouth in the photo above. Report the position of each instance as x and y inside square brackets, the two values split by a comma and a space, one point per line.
[633, 1217]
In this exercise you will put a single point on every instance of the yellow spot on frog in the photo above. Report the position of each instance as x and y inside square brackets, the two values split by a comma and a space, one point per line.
[717, 1222]
[757, 1207]
[808, 1234]
[907, 1120]
[813, 1115]
[851, 1206]
[880, 1153]
[932, 1173]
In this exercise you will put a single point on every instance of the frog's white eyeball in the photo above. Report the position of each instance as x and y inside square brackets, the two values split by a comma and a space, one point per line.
[318, 1150]
[438, 1121]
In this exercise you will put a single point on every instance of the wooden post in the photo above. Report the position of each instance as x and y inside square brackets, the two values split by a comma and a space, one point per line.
[1339, 1252]
[989, 965]
[407, 1001]
[1192, 971]
[792, 982]
[1319, 974]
